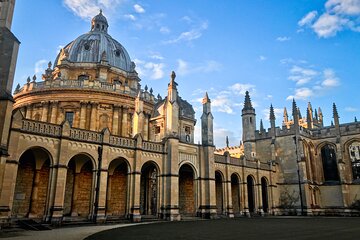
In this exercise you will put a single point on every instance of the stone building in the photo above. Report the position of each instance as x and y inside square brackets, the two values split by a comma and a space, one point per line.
[89, 143]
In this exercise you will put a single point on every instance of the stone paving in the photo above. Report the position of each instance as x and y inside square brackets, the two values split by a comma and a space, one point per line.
[268, 228]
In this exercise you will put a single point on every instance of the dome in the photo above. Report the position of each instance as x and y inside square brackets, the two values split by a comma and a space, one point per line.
[97, 45]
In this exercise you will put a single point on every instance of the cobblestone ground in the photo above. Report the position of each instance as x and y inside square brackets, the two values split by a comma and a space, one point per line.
[243, 228]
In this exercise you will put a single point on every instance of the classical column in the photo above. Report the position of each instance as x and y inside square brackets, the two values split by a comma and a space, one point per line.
[54, 109]
[29, 111]
[93, 118]
[115, 122]
[45, 110]
[124, 122]
[82, 115]
[88, 119]
[60, 184]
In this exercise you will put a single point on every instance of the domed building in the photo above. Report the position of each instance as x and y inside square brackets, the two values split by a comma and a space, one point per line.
[88, 143]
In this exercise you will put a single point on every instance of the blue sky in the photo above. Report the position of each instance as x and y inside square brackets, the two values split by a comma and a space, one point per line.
[278, 50]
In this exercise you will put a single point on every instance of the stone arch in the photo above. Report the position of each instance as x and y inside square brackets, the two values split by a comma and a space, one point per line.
[265, 194]
[352, 155]
[79, 186]
[32, 183]
[250, 183]
[219, 190]
[187, 197]
[329, 162]
[88, 155]
[322, 144]
[149, 188]
[117, 187]
[236, 193]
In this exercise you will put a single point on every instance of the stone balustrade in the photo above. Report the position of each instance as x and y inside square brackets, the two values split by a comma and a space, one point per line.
[84, 135]
[154, 147]
[41, 128]
[122, 142]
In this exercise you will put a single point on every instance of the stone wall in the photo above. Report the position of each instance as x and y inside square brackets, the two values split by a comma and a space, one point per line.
[186, 193]
[117, 190]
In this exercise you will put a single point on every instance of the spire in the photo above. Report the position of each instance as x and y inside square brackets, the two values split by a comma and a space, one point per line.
[286, 116]
[335, 115]
[227, 141]
[295, 113]
[172, 90]
[316, 116]
[299, 113]
[262, 129]
[309, 118]
[272, 114]
[355, 119]
[206, 98]
[321, 117]
[247, 102]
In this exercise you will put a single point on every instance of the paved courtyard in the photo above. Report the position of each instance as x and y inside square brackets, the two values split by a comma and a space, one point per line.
[253, 228]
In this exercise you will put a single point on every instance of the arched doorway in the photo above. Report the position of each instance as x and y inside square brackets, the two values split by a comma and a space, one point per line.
[264, 194]
[149, 189]
[330, 168]
[219, 192]
[79, 186]
[186, 190]
[117, 188]
[251, 193]
[32, 181]
[235, 193]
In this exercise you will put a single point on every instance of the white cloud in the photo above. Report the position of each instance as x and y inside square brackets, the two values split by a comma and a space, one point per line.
[222, 103]
[156, 56]
[308, 19]
[283, 39]
[40, 66]
[330, 79]
[86, 9]
[301, 75]
[262, 58]
[185, 68]
[338, 16]
[130, 17]
[220, 135]
[351, 109]
[150, 69]
[328, 25]
[164, 30]
[138, 8]
[302, 94]
[188, 36]
[241, 88]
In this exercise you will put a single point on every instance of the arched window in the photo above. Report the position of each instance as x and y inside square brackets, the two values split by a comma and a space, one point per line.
[330, 168]
[354, 153]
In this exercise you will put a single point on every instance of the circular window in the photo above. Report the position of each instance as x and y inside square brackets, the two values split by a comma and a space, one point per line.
[87, 46]
[117, 53]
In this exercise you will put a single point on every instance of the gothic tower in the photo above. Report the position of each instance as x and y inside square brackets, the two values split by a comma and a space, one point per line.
[172, 107]
[248, 127]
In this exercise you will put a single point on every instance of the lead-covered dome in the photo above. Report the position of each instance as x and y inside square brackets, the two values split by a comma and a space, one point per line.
[95, 46]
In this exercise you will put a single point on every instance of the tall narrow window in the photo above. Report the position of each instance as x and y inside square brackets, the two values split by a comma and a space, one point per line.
[330, 168]
[354, 152]
[69, 116]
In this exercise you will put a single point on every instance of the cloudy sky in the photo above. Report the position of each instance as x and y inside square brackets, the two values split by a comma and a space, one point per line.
[278, 50]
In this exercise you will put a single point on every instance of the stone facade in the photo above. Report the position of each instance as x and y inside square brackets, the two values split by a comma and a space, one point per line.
[88, 142]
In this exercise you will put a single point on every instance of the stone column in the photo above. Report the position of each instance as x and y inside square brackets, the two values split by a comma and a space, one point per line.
[124, 122]
[101, 217]
[54, 109]
[82, 124]
[74, 194]
[93, 118]
[34, 194]
[115, 122]
[8, 188]
[29, 111]
[45, 110]
[227, 189]
[58, 205]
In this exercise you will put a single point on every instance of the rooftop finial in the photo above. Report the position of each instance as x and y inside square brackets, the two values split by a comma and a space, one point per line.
[100, 11]
[227, 141]
[247, 102]
[272, 114]
[206, 98]
[172, 83]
